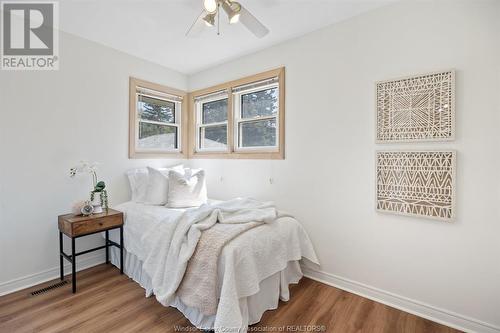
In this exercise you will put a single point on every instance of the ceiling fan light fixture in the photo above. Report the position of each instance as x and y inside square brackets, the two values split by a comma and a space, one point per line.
[234, 18]
[232, 9]
[210, 16]
[210, 6]
[209, 20]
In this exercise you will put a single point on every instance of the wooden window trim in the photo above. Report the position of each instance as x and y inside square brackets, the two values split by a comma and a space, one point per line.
[133, 154]
[231, 153]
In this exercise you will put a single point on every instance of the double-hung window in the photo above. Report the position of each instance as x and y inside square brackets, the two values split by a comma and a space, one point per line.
[240, 119]
[256, 109]
[155, 120]
[212, 122]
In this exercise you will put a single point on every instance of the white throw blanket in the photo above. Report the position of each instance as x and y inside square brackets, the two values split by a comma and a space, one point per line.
[170, 251]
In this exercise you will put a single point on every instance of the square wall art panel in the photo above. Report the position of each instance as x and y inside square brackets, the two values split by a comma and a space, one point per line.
[417, 108]
[417, 183]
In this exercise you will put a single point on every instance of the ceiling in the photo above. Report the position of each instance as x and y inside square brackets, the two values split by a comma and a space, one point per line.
[155, 29]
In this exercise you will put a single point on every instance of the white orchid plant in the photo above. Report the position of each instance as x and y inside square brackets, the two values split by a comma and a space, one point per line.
[99, 186]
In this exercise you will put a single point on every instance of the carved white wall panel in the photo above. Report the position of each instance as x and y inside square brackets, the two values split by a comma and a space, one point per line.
[419, 183]
[417, 108]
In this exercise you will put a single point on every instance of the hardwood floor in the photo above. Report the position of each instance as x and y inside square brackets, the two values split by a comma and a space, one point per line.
[109, 302]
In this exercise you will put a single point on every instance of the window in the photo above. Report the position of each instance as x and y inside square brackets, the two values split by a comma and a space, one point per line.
[212, 122]
[155, 120]
[256, 116]
[241, 119]
[157, 124]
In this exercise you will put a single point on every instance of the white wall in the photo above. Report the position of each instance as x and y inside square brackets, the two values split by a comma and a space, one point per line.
[49, 122]
[327, 179]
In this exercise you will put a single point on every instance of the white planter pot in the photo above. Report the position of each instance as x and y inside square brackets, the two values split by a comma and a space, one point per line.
[97, 203]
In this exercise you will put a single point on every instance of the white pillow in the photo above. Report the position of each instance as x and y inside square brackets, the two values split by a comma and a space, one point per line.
[186, 189]
[138, 180]
[157, 188]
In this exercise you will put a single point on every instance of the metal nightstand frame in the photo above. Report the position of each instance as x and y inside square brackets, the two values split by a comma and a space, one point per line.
[72, 258]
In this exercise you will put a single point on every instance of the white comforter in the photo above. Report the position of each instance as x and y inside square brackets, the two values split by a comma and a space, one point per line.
[244, 262]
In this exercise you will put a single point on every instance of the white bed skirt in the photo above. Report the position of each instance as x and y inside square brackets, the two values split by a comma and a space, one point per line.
[271, 290]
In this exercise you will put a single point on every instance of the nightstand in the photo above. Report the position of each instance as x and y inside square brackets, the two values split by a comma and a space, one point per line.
[76, 226]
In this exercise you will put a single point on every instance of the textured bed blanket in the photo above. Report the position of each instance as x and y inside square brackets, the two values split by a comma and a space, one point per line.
[167, 260]
[199, 285]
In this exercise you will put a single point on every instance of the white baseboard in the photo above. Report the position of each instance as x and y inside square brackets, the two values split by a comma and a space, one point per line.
[420, 309]
[47, 275]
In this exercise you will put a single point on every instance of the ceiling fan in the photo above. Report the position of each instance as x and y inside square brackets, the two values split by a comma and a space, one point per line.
[210, 16]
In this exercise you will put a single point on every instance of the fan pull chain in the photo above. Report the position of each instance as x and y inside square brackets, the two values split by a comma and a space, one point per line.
[218, 19]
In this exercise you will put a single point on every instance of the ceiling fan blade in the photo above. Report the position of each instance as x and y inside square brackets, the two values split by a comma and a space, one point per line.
[252, 24]
[198, 25]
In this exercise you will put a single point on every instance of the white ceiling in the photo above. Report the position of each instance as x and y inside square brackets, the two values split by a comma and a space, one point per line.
[155, 29]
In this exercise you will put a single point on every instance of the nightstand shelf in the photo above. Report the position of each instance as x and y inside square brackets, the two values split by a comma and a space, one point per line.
[76, 226]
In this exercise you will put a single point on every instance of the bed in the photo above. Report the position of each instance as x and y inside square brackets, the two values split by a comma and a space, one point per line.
[254, 269]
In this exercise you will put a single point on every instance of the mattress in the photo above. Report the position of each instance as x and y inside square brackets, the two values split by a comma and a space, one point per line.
[254, 269]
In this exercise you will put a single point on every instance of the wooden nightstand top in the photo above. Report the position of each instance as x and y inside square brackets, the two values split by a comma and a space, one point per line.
[77, 225]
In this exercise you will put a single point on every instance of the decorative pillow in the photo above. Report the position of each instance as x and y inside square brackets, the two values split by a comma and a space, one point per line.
[138, 180]
[157, 188]
[186, 189]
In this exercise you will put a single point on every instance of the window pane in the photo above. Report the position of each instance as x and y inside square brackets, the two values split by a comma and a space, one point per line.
[154, 136]
[213, 137]
[156, 109]
[259, 103]
[214, 112]
[260, 133]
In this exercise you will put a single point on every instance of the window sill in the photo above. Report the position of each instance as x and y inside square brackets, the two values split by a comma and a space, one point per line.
[239, 155]
[152, 155]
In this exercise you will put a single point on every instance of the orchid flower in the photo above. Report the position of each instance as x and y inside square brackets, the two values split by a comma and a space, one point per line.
[85, 167]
